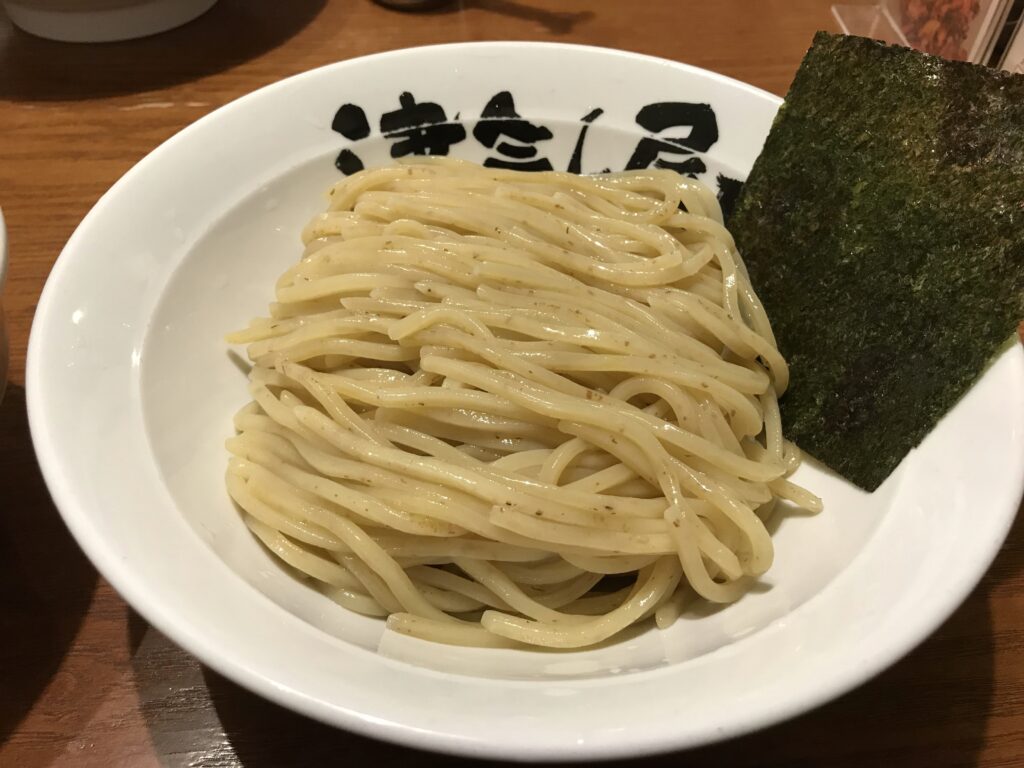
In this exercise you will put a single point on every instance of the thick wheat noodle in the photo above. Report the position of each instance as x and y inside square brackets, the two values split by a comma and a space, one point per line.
[482, 393]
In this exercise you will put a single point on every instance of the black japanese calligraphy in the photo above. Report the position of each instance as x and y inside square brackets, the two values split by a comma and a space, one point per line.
[576, 161]
[350, 121]
[420, 128]
[677, 134]
[499, 119]
[728, 192]
[675, 152]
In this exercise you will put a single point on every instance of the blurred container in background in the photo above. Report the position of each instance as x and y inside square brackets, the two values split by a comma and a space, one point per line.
[979, 31]
[101, 21]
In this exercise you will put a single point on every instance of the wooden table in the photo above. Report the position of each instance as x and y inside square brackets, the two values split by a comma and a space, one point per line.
[84, 681]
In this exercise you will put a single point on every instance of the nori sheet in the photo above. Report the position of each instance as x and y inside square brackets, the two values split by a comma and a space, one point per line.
[883, 228]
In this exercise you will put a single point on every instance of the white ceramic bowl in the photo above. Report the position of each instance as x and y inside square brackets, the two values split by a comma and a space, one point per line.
[131, 390]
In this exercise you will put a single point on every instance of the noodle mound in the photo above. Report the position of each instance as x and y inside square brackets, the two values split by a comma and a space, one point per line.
[502, 407]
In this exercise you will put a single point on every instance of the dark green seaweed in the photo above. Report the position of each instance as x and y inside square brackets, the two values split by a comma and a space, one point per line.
[883, 227]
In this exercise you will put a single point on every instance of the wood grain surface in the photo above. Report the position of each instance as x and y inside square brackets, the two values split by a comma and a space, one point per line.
[85, 682]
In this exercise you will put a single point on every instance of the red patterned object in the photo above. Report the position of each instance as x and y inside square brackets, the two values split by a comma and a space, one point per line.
[940, 27]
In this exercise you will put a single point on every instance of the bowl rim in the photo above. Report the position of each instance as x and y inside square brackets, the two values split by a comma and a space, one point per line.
[76, 516]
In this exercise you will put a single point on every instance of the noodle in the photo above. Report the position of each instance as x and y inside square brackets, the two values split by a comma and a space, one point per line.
[508, 408]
